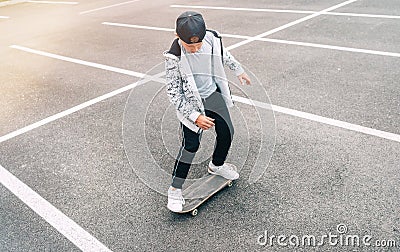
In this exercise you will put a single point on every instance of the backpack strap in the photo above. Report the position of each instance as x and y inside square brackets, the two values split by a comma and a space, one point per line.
[216, 34]
[175, 48]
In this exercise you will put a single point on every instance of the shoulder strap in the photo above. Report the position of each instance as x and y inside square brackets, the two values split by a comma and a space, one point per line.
[216, 34]
[175, 48]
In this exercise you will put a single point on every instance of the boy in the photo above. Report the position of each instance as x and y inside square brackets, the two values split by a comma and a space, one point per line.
[197, 87]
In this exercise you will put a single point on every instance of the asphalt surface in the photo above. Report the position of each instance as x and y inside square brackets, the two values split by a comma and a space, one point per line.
[91, 164]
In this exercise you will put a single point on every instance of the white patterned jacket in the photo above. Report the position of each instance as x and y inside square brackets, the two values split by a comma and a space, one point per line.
[181, 87]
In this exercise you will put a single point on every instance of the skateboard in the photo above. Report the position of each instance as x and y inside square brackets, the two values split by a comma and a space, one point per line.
[201, 190]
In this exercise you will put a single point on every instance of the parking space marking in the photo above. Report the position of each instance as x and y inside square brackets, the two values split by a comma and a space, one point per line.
[107, 7]
[320, 119]
[51, 2]
[240, 9]
[81, 238]
[78, 61]
[293, 23]
[65, 113]
[67, 227]
[139, 27]
[279, 41]
[345, 125]
[168, 29]
[80, 107]
[282, 11]
[362, 15]
[332, 47]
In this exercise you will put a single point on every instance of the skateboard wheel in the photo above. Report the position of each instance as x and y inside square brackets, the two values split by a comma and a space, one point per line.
[230, 184]
[194, 212]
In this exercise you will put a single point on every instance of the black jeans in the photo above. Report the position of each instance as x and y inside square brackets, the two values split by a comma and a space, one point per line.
[215, 108]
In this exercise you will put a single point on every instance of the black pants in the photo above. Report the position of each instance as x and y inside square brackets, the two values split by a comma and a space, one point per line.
[215, 108]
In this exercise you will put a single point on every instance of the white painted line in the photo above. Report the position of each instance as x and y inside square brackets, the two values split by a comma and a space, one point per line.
[78, 61]
[279, 41]
[362, 15]
[67, 227]
[139, 27]
[282, 11]
[339, 48]
[304, 115]
[4, 17]
[298, 21]
[81, 106]
[333, 122]
[240, 9]
[66, 112]
[51, 2]
[107, 7]
[320, 119]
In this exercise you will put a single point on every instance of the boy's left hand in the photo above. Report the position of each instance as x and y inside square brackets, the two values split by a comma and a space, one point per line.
[244, 79]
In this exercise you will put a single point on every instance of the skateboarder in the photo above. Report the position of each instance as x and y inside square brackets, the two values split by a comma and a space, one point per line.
[198, 89]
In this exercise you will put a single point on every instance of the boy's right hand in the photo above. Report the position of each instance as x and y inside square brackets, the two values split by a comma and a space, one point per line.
[204, 122]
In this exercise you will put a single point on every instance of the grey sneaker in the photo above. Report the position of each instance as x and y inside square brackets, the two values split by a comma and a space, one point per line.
[175, 200]
[226, 170]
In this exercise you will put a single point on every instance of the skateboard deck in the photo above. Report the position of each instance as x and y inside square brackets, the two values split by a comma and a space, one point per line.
[201, 190]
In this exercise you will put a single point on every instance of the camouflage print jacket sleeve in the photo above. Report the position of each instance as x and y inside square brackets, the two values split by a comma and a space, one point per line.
[232, 63]
[178, 91]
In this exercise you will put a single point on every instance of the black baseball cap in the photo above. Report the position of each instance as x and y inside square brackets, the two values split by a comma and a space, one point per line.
[190, 25]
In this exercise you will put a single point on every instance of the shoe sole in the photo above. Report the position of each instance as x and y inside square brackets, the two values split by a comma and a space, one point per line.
[214, 173]
[174, 210]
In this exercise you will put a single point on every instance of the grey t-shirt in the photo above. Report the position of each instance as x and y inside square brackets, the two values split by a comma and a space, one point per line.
[200, 64]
